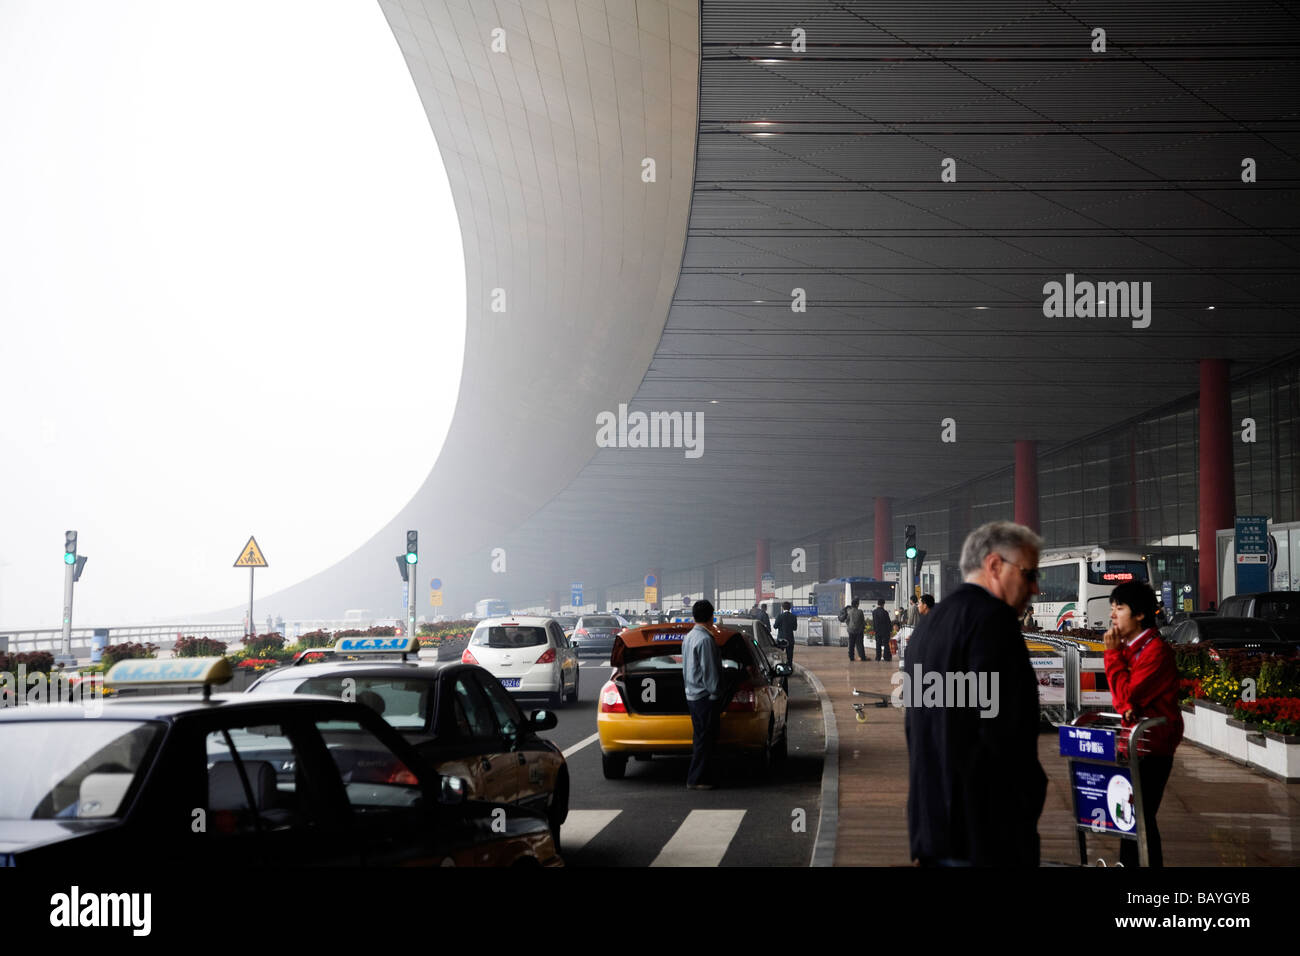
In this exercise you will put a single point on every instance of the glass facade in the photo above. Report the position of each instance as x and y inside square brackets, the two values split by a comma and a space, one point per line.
[1132, 486]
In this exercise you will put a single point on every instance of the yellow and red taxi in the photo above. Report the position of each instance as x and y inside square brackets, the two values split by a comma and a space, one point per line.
[642, 708]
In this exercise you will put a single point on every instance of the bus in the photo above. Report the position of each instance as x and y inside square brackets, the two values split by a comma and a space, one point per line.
[491, 607]
[1074, 586]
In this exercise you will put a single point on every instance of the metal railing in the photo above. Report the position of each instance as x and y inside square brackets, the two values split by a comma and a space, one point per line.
[164, 635]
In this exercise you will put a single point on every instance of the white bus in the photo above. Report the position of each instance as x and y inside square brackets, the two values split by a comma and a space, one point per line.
[491, 607]
[1074, 586]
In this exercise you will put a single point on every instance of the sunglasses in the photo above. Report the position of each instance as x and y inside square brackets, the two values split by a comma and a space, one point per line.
[1029, 574]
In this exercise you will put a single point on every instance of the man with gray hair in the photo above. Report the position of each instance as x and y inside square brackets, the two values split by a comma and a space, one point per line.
[976, 788]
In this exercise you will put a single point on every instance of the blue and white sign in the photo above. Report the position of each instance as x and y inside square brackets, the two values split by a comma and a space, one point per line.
[435, 584]
[1251, 547]
[575, 594]
[1103, 799]
[804, 610]
[651, 581]
[406, 593]
[1092, 743]
[1167, 595]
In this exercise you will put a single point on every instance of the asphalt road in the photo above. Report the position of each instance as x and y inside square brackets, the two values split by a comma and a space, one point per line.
[650, 818]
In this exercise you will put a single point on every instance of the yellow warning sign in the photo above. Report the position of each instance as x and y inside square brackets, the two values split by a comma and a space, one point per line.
[251, 556]
[435, 598]
[651, 595]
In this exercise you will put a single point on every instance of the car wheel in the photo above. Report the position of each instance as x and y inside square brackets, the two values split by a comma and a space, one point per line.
[782, 750]
[558, 808]
[613, 765]
[572, 696]
[555, 700]
[763, 758]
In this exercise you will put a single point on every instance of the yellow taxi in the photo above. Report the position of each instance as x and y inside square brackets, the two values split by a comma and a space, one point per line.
[642, 708]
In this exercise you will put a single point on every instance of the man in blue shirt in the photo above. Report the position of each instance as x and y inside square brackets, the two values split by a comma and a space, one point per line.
[702, 675]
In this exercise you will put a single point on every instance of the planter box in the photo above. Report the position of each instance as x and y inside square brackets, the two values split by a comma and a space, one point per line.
[1213, 727]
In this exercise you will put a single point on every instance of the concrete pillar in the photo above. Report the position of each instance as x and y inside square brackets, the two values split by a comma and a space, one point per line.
[762, 565]
[883, 537]
[1027, 484]
[1217, 498]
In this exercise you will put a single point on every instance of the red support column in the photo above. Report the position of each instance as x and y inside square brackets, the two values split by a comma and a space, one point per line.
[883, 539]
[762, 565]
[1027, 484]
[1217, 495]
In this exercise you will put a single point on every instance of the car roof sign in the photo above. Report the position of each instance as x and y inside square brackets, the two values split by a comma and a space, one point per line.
[377, 645]
[185, 670]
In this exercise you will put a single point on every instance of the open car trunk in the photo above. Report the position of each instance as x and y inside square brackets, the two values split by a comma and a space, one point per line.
[652, 682]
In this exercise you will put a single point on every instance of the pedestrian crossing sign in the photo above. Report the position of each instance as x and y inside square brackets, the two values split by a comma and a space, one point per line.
[251, 556]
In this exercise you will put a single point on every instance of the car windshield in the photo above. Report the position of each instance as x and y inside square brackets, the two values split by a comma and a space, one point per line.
[1278, 607]
[403, 703]
[508, 635]
[84, 770]
[601, 622]
[1223, 628]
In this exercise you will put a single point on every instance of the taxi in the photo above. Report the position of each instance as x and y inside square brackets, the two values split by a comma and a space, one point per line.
[642, 708]
[457, 716]
[236, 779]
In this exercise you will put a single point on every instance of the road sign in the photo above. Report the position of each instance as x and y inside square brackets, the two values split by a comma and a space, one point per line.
[1251, 547]
[651, 595]
[435, 599]
[767, 586]
[251, 556]
[651, 581]
[575, 594]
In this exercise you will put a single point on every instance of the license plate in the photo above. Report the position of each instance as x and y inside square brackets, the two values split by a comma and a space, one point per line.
[510, 681]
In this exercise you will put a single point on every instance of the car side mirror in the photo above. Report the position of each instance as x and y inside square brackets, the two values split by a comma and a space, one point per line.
[453, 791]
[783, 670]
[542, 720]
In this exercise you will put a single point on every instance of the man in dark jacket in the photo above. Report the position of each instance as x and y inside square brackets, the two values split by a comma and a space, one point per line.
[976, 788]
[883, 626]
[786, 623]
[855, 622]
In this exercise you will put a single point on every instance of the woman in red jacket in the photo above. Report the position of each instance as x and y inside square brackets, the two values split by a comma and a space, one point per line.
[1143, 679]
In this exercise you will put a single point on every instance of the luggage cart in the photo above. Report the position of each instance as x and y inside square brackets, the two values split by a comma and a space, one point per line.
[1105, 782]
[882, 700]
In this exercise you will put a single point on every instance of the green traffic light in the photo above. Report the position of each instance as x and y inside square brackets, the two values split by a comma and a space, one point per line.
[911, 552]
[412, 557]
[69, 558]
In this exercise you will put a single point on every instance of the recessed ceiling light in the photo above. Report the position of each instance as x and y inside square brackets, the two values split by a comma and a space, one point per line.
[1209, 308]
[713, 401]
[981, 308]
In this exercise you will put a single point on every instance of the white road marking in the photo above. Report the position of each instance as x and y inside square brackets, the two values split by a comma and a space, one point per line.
[582, 825]
[702, 839]
[580, 744]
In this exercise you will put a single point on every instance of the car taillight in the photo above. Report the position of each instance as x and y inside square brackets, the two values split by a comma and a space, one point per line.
[582, 631]
[467, 657]
[548, 657]
[611, 701]
[744, 700]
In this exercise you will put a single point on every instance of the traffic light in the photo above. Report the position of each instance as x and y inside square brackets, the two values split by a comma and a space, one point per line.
[412, 547]
[909, 541]
[402, 567]
[81, 564]
[70, 547]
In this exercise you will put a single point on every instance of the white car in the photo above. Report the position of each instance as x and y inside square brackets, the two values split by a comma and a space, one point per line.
[529, 655]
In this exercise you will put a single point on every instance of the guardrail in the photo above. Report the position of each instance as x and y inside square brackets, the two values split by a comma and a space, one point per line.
[164, 635]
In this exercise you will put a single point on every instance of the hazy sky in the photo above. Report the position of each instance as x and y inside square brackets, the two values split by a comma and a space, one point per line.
[227, 244]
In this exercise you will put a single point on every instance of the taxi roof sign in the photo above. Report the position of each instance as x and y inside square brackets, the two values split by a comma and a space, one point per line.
[377, 645]
[185, 670]
[251, 556]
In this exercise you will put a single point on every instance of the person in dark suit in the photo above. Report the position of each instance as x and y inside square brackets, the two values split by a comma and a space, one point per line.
[975, 787]
[786, 623]
[883, 627]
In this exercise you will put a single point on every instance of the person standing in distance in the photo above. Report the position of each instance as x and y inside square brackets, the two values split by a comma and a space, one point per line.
[975, 787]
[1143, 680]
[786, 623]
[912, 615]
[762, 616]
[702, 675]
[883, 626]
[856, 624]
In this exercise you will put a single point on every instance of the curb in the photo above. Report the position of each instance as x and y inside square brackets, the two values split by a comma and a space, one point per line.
[828, 819]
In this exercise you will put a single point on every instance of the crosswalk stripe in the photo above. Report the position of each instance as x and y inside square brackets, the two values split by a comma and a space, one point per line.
[581, 825]
[580, 744]
[702, 839]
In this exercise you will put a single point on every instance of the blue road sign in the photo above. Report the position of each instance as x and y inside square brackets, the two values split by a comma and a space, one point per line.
[804, 610]
[1251, 548]
[435, 584]
[650, 580]
[575, 596]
